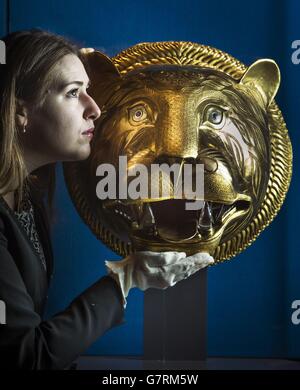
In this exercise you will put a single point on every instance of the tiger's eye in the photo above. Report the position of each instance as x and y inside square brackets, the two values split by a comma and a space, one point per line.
[214, 115]
[138, 114]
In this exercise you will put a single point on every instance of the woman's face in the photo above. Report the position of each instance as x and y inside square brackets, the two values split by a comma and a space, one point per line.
[56, 131]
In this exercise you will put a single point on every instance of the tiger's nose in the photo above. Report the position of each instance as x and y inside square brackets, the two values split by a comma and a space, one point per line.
[179, 128]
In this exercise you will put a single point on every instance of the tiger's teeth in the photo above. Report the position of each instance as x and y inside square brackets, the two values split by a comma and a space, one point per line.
[148, 221]
[147, 217]
[137, 211]
[220, 212]
[205, 222]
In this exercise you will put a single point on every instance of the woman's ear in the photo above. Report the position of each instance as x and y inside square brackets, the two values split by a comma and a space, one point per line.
[264, 75]
[21, 114]
[102, 72]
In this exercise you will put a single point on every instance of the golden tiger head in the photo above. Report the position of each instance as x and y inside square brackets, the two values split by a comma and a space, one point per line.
[183, 105]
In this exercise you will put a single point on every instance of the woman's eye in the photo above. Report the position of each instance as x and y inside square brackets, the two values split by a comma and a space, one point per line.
[214, 115]
[73, 93]
[138, 114]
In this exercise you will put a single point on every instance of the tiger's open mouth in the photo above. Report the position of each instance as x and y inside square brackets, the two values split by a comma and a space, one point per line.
[169, 221]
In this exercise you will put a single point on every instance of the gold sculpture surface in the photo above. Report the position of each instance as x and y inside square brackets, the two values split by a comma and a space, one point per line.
[185, 103]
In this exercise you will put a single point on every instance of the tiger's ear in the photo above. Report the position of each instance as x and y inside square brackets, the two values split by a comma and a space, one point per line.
[264, 75]
[102, 72]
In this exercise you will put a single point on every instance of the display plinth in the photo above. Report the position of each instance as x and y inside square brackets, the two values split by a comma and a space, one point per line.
[175, 321]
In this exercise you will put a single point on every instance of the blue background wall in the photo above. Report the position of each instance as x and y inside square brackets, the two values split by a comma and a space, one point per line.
[3, 14]
[249, 298]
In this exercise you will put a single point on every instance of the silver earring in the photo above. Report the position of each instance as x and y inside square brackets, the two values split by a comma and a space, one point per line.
[24, 129]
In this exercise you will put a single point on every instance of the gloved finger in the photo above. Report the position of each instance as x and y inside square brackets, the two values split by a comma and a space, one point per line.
[179, 268]
[201, 258]
[159, 259]
[152, 279]
[184, 275]
[168, 258]
[197, 261]
[165, 276]
[186, 268]
[86, 50]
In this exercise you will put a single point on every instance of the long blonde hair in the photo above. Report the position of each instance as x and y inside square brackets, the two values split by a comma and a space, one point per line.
[31, 56]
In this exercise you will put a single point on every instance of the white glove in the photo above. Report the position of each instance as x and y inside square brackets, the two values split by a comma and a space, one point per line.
[147, 269]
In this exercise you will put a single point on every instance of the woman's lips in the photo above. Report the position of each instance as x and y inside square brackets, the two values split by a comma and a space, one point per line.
[89, 133]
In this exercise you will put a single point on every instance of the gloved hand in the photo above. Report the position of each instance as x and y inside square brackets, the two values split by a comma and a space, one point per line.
[147, 269]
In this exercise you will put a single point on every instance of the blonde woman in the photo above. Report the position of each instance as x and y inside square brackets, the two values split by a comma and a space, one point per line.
[48, 116]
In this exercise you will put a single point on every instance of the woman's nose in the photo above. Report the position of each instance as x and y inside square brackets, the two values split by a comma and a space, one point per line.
[92, 110]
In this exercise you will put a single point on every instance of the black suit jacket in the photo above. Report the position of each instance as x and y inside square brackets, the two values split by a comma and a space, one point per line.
[26, 341]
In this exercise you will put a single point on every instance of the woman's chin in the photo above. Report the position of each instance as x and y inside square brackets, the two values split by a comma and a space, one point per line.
[81, 154]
